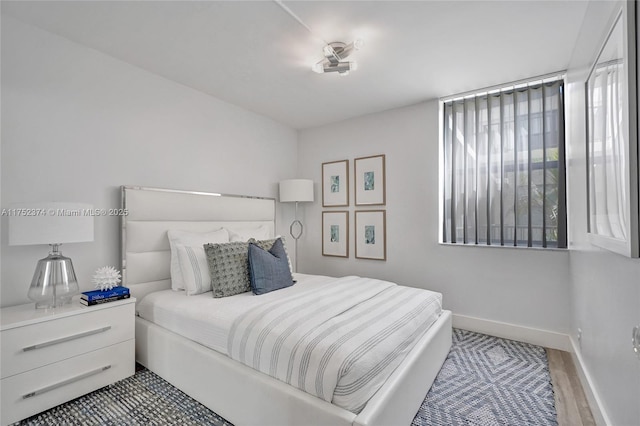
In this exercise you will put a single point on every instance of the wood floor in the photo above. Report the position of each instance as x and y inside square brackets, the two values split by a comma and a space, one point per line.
[571, 403]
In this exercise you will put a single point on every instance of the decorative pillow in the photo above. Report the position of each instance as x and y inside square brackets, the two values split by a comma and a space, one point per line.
[229, 266]
[194, 268]
[284, 246]
[190, 239]
[246, 233]
[269, 270]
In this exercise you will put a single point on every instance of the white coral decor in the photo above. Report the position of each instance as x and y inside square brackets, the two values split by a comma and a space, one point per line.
[106, 278]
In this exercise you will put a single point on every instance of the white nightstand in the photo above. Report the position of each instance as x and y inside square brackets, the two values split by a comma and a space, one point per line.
[50, 357]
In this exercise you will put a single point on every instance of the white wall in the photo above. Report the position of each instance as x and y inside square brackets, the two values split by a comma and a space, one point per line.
[605, 286]
[525, 287]
[77, 124]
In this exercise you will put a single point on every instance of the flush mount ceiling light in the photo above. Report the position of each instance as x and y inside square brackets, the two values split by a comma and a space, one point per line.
[335, 54]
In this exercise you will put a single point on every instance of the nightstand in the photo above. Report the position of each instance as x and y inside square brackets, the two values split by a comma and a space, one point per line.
[50, 357]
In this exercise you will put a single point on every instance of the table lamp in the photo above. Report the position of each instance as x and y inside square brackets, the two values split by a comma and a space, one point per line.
[54, 281]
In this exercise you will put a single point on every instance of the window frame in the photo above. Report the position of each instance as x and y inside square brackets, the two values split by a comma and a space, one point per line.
[629, 244]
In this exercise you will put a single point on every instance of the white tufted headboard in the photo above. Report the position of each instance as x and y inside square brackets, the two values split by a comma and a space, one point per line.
[151, 212]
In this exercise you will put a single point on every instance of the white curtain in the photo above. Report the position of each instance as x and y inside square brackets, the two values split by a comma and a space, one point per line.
[607, 158]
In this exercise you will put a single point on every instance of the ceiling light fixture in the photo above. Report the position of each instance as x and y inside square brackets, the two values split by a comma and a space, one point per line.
[334, 55]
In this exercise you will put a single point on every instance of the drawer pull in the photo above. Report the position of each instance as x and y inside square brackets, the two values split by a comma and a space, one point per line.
[66, 339]
[66, 382]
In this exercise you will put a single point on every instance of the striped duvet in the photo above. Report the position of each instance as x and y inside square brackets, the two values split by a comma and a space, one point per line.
[339, 342]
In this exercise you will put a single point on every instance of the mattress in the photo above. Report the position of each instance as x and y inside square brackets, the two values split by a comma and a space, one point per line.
[338, 339]
[208, 321]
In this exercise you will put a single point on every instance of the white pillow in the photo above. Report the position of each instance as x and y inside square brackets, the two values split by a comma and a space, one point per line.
[195, 270]
[284, 245]
[190, 239]
[243, 234]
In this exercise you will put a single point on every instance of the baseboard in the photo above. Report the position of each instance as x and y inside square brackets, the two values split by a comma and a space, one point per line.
[595, 403]
[534, 336]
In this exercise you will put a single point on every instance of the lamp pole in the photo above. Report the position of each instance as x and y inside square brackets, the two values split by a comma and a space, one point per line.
[296, 236]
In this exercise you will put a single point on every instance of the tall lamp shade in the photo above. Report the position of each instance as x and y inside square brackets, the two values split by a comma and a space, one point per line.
[296, 191]
[54, 280]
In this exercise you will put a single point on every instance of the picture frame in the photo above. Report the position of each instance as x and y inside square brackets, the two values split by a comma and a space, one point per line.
[335, 184]
[335, 233]
[612, 142]
[370, 180]
[371, 234]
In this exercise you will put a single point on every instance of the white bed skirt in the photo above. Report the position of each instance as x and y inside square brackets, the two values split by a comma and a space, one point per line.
[247, 397]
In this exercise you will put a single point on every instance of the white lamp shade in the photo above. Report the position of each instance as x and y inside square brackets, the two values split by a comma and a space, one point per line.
[50, 223]
[293, 190]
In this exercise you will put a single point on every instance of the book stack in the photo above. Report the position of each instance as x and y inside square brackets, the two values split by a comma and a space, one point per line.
[96, 297]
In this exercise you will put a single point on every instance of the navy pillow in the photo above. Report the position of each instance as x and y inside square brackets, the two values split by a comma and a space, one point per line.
[269, 270]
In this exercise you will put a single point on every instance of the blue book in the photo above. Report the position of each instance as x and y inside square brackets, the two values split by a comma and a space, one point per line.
[101, 301]
[98, 294]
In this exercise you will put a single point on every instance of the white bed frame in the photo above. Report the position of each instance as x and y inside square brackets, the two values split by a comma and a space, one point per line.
[238, 393]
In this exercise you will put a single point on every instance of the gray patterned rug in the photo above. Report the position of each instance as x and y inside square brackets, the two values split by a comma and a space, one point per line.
[488, 381]
[142, 399]
[485, 381]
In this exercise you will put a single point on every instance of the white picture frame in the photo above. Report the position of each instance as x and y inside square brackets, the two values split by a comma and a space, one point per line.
[335, 184]
[335, 233]
[370, 180]
[371, 234]
[612, 142]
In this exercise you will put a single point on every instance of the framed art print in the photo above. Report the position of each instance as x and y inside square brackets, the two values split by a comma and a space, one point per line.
[335, 234]
[370, 180]
[612, 142]
[371, 235]
[335, 184]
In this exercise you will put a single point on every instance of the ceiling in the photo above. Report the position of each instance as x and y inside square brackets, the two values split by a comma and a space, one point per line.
[256, 55]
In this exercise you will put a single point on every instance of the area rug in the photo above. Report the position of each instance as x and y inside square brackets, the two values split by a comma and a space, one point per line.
[488, 381]
[140, 400]
[485, 381]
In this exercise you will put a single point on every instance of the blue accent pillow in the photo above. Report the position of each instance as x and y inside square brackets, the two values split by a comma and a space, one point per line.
[269, 270]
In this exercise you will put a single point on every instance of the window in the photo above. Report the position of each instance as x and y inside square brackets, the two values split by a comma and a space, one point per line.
[504, 169]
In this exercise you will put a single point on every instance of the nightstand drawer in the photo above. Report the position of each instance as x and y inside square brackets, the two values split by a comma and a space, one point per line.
[26, 394]
[36, 345]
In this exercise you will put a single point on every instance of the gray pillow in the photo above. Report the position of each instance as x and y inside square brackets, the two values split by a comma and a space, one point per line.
[269, 270]
[229, 266]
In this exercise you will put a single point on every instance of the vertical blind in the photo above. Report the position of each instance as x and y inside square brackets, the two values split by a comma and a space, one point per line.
[504, 168]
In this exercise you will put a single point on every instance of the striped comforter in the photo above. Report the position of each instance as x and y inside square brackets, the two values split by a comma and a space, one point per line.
[339, 342]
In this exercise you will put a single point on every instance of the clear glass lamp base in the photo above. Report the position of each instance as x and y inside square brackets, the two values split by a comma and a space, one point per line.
[54, 281]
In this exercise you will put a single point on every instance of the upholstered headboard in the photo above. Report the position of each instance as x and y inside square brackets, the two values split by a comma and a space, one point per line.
[151, 212]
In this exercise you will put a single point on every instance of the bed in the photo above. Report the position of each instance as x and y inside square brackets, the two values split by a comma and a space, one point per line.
[170, 346]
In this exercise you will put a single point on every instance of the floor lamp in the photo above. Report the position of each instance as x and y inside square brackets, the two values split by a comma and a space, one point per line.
[296, 191]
